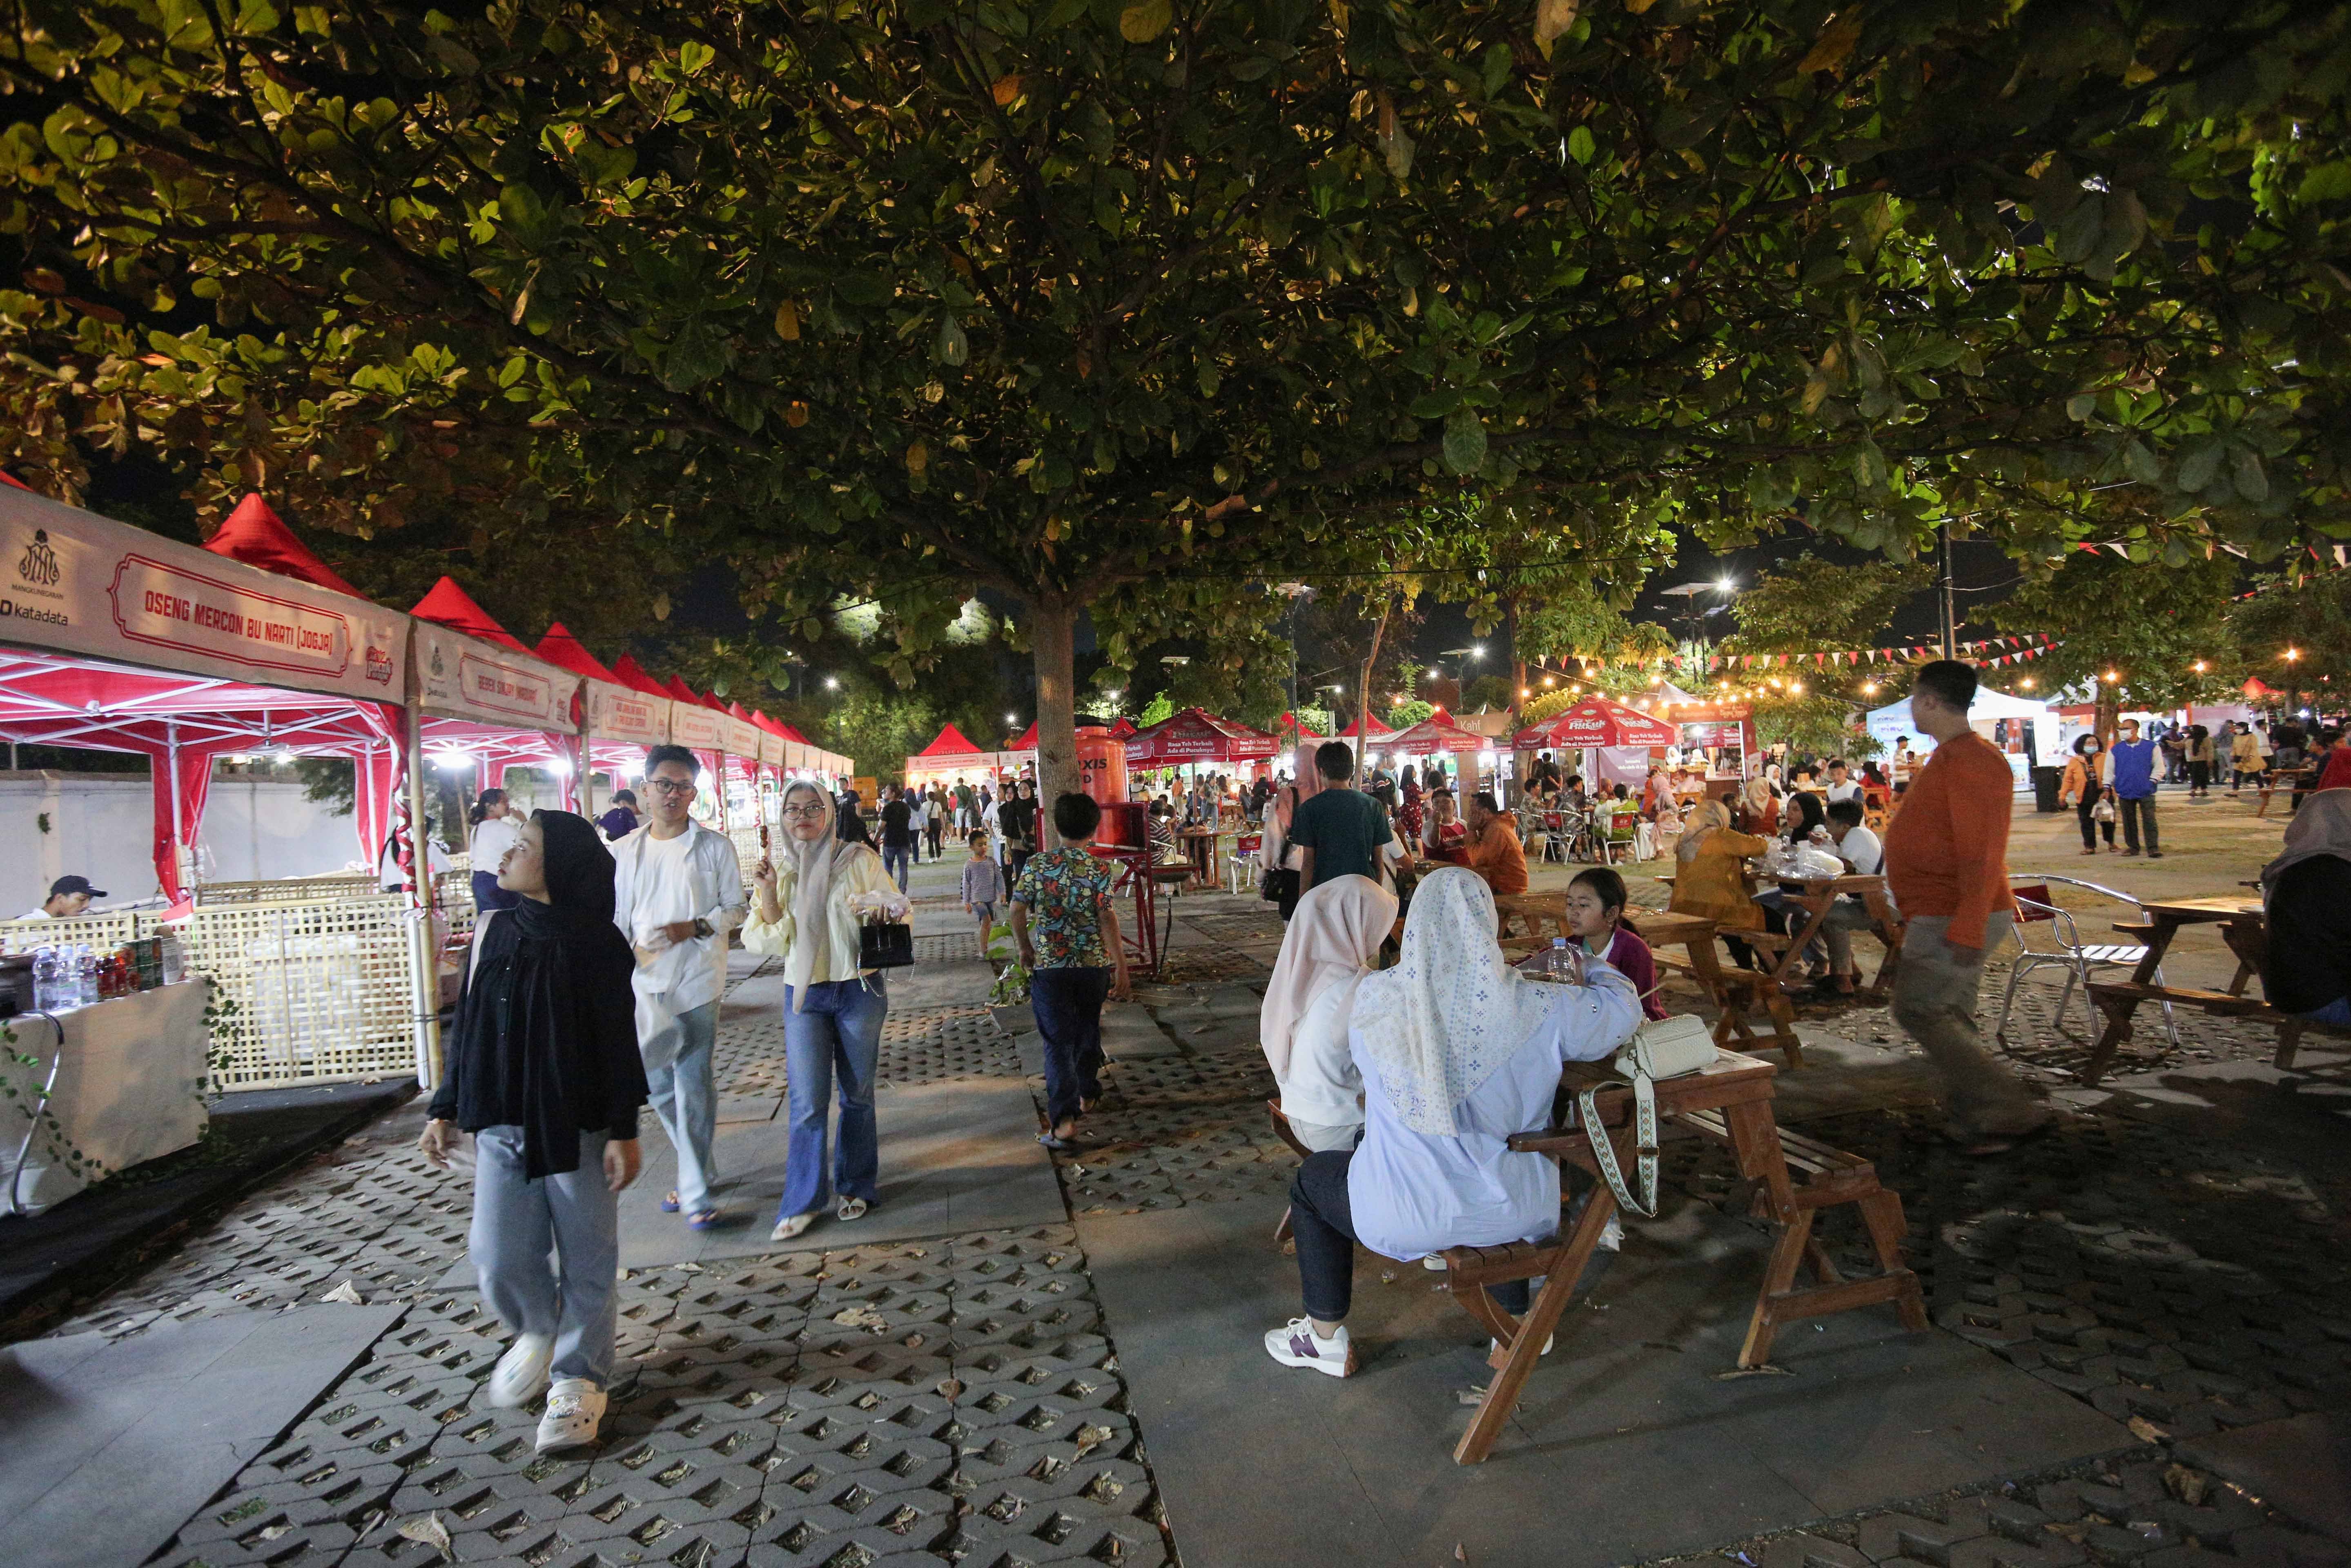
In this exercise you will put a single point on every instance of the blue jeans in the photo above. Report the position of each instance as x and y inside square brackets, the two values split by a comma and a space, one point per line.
[893, 865]
[839, 1032]
[1068, 1004]
[517, 1222]
[686, 1100]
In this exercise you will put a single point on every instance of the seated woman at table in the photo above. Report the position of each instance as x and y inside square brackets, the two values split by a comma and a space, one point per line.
[1711, 871]
[1333, 943]
[2306, 899]
[1595, 915]
[1759, 808]
[1458, 1051]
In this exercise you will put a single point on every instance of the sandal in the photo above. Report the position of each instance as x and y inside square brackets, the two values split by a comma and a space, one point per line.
[1059, 1145]
[669, 1204]
[702, 1219]
[791, 1226]
[851, 1209]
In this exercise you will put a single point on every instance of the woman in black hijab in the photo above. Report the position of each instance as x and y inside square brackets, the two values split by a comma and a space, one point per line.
[542, 1068]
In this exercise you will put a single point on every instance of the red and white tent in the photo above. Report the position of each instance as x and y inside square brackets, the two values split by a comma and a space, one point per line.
[617, 720]
[118, 640]
[1595, 721]
[1195, 735]
[484, 700]
[1433, 735]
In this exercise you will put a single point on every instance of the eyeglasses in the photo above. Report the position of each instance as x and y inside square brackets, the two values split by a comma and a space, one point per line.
[805, 813]
[669, 787]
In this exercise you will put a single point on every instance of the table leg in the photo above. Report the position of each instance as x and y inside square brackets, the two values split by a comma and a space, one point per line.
[1881, 1214]
[1755, 1141]
[1779, 1279]
[1525, 1348]
[1818, 908]
[2119, 1009]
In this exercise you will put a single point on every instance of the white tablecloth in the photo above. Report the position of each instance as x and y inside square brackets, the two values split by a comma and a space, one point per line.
[128, 1089]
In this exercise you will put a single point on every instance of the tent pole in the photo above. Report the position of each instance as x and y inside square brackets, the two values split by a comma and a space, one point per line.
[185, 872]
[422, 965]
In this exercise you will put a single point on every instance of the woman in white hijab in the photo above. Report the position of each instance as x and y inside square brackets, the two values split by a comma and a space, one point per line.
[1458, 1051]
[1330, 945]
[808, 913]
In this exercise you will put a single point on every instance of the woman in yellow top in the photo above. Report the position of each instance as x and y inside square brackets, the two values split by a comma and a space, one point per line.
[1711, 878]
[833, 1010]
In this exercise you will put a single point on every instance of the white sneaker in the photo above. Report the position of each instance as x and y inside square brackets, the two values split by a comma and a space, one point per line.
[793, 1225]
[1297, 1344]
[521, 1372]
[1433, 1261]
[575, 1408]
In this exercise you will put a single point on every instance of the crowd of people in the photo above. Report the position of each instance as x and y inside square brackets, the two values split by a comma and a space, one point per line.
[1405, 1059]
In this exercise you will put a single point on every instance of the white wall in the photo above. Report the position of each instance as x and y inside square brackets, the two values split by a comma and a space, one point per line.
[102, 826]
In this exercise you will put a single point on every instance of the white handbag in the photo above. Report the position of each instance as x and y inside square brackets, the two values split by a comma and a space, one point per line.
[1663, 1048]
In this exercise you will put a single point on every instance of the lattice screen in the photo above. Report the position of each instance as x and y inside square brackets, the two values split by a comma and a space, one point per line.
[102, 933]
[322, 990]
[746, 849]
[287, 889]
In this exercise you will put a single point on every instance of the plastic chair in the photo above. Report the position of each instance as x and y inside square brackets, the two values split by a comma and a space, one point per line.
[1617, 837]
[1241, 869]
[2036, 908]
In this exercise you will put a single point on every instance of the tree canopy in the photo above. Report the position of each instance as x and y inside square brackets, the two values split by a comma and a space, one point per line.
[1131, 306]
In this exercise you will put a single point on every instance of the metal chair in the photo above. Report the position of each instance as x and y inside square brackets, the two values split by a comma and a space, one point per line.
[1240, 866]
[2035, 906]
[1616, 835]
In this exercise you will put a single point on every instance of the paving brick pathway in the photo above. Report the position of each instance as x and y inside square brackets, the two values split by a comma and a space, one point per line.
[958, 1399]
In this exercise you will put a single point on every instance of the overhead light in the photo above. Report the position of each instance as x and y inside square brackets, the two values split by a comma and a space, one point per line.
[1478, 650]
[2110, 678]
[283, 754]
[1549, 682]
[831, 683]
[2026, 683]
[2291, 654]
[1725, 584]
[559, 766]
[1011, 718]
[454, 761]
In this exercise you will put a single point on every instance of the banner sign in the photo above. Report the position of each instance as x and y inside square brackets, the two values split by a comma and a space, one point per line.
[742, 738]
[625, 714]
[80, 583]
[461, 677]
[771, 748]
[698, 728]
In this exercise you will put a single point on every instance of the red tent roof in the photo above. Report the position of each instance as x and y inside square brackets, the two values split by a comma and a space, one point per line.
[12, 479]
[686, 694]
[564, 650]
[1290, 722]
[258, 537]
[1122, 730]
[1435, 734]
[1196, 735]
[950, 742]
[1358, 729]
[1596, 721]
[451, 606]
[633, 675]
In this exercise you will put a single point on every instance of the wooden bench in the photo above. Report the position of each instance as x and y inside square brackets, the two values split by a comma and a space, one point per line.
[2119, 999]
[1737, 992]
[1793, 1177]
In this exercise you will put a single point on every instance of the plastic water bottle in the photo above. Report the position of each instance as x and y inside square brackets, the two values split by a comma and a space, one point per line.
[1560, 964]
[86, 976]
[45, 979]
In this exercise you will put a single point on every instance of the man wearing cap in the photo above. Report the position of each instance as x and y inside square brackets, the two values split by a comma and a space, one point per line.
[68, 897]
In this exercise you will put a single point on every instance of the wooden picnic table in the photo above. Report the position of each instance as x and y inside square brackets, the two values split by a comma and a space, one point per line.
[1200, 849]
[1728, 1101]
[1734, 991]
[1816, 895]
[2243, 926]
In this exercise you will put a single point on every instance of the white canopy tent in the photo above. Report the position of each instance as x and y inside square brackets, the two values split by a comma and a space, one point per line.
[1998, 717]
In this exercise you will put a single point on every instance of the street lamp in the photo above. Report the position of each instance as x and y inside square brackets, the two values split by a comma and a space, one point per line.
[833, 683]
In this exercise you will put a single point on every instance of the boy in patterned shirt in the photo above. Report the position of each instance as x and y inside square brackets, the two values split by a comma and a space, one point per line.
[1075, 958]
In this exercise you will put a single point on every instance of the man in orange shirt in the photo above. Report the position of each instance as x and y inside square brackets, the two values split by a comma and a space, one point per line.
[1947, 869]
[1494, 852]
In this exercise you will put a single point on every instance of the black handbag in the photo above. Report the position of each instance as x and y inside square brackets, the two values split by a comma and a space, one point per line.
[1279, 884]
[887, 946]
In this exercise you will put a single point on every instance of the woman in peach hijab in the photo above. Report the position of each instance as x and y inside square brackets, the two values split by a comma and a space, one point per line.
[1332, 941]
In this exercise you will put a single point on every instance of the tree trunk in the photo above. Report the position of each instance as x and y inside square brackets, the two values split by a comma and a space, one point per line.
[1387, 604]
[1518, 665]
[1053, 644]
[2105, 716]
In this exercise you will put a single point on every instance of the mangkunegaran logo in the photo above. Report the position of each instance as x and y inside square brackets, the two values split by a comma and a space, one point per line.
[37, 566]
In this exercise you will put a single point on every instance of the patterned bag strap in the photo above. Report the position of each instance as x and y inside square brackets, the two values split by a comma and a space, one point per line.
[1645, 1134]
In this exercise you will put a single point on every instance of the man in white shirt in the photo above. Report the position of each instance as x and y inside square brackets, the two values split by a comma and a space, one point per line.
[1864, 857]
[1842, 786]
[68, 897]
[677, 892]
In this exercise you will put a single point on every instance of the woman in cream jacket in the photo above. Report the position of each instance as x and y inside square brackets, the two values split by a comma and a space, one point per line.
[807, 913]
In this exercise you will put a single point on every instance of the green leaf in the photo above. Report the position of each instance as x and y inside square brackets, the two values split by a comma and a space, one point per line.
[1465, 441]
[1435, 405]
[955, 348]
[1579, 144]
[2327, 183]
[2076, 234]
[1141, 23]
[2198, 464]
[2126, 224]
[2141, 464]
[2245, 469]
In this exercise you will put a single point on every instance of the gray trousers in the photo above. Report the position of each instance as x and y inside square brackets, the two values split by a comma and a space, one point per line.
[1846, 916]
[678, 1083]
[1935, 1001]
[517, 1223]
